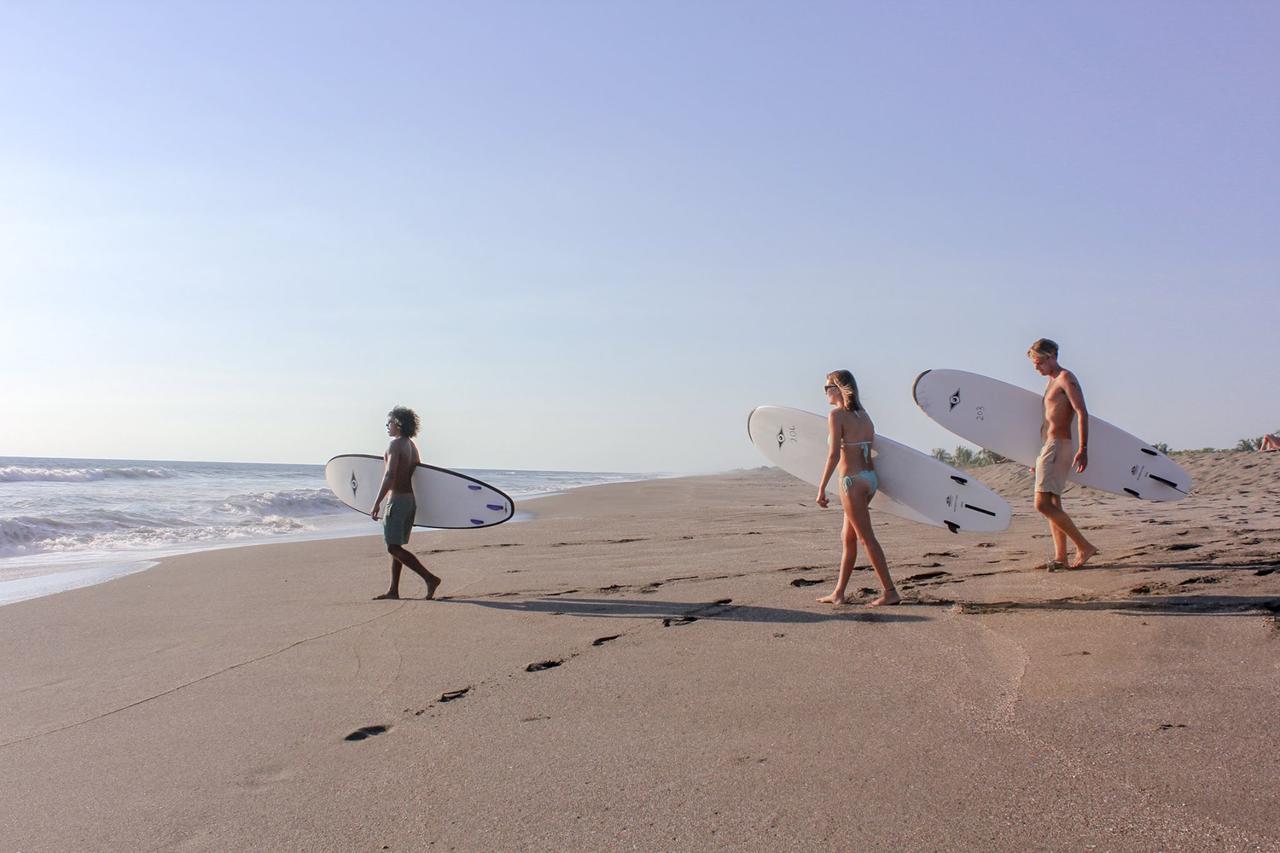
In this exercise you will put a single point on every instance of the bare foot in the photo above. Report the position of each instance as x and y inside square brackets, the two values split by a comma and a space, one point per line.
[1084, 556]
[889, 599]
[390, 596]
[432, 586]
[833, 599]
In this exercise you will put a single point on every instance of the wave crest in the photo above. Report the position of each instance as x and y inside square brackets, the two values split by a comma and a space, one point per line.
[20, 536]
[298, 503]
[22, 474]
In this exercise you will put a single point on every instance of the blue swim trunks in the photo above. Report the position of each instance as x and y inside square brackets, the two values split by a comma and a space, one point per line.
[397, 521]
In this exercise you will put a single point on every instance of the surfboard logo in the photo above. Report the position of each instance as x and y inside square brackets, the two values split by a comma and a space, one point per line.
[955, 400]
[355, 484]
[782, 438]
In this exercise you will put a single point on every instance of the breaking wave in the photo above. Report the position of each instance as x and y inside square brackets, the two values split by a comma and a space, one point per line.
[22, 474]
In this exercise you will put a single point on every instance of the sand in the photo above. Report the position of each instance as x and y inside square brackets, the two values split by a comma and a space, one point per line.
[644, 666]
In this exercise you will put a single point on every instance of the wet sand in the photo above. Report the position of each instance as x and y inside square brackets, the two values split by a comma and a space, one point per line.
[644, 666]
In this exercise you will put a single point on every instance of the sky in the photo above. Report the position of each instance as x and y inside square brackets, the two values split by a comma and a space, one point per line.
[593, 236]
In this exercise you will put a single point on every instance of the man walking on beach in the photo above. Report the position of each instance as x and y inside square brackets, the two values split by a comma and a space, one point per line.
[401, 459]
[1063, 401]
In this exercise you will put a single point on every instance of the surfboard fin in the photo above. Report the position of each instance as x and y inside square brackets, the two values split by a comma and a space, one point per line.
[1168, 483]
[952, 526]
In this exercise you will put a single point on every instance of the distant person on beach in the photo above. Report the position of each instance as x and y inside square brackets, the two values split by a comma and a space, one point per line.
[401, 459]
[850, 439]
[1269, 442]
[1063, 401]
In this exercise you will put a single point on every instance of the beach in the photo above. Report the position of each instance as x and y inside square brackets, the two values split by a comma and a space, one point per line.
[644, 666]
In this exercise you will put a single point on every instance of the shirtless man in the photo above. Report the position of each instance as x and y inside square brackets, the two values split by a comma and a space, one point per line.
[401, 458]
[1063, 400]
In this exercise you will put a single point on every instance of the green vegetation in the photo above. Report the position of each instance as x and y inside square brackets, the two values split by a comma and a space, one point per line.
[1244, 445]
[963, 457]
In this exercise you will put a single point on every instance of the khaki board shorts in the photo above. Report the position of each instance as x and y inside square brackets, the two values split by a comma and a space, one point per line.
[1052, 466]
[397, 523]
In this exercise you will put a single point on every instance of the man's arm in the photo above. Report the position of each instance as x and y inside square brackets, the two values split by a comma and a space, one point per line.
[393, 466]
[1075, 395]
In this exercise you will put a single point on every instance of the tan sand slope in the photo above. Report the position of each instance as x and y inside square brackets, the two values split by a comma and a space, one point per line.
[644, 666]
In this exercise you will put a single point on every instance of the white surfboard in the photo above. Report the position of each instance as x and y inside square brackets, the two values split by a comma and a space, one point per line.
[446, 499]
[912, 485]
[1006, 419]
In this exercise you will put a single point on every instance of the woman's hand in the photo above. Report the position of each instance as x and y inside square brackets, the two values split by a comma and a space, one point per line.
[822, 500]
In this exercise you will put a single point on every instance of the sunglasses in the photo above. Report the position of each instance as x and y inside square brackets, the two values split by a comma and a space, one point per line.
[829, 387]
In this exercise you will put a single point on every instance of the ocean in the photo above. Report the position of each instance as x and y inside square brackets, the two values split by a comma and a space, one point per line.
[67, 523]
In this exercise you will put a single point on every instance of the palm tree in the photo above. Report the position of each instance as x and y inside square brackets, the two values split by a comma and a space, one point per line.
[990, 457]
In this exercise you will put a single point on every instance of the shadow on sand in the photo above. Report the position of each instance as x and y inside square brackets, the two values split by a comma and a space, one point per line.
[682, 612]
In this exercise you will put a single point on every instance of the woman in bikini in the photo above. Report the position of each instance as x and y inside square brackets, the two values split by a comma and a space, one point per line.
[851, 435]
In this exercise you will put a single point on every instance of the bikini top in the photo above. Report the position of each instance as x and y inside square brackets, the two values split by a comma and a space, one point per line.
[865, 445]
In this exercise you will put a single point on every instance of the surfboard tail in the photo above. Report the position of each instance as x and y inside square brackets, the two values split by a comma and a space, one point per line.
[917, 382]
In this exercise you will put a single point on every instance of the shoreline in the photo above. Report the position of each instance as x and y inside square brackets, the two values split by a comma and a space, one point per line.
[645, 665]
[94, 568]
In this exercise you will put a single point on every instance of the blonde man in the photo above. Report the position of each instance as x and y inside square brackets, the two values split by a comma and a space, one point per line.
[1063, 402]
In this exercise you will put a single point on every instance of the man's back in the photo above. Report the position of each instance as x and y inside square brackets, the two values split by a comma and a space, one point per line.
[405, 456]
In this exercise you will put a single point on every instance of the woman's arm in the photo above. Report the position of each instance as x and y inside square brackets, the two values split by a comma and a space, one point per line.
[833, 456]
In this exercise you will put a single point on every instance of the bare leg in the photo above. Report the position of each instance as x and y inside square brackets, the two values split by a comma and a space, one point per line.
[404, 556]
[856, 507]
[848, 557]
[1059, 543]
[1050, 506]
[394, 590]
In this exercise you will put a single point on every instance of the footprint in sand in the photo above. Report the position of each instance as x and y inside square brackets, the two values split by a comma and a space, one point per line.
[924, 576]
[541, 665]
[366, 732]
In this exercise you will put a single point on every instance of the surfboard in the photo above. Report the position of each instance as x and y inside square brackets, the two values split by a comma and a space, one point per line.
[913, 485]
[446, 499]
[1006, 419]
